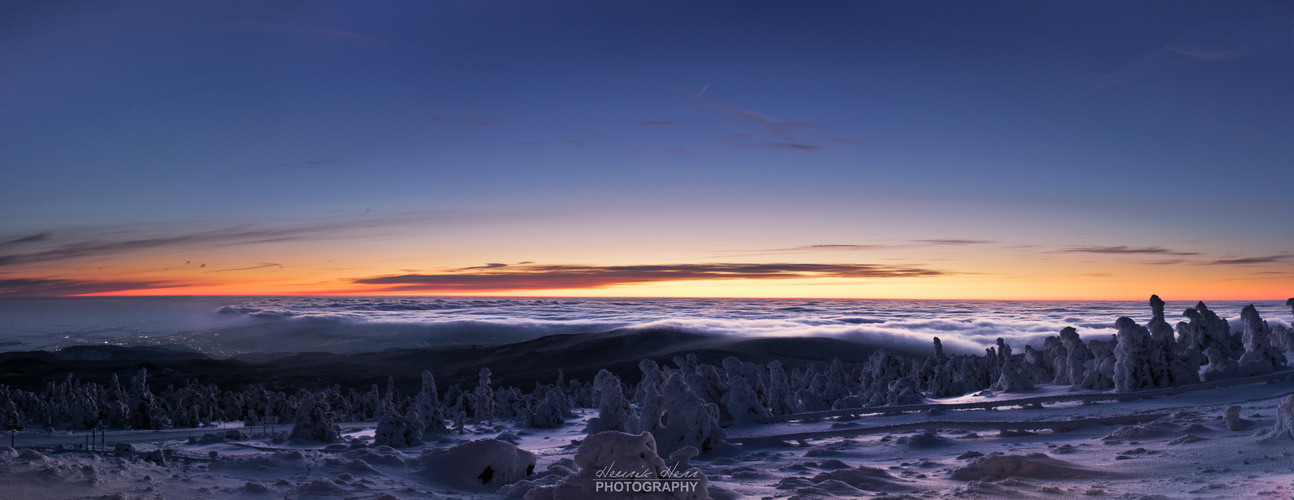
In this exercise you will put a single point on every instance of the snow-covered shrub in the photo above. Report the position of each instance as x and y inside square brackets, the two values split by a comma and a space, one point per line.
[397, 430]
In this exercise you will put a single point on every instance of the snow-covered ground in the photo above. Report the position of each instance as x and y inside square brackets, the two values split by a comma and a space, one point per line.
[1184, 448]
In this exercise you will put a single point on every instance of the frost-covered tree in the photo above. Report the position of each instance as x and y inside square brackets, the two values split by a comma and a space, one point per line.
[428, 407]
[614, 411]
[742, 402]
[1133, 363]
[1260, 356]
[484, 398]
[549, 413]
[686, 419]
[1220, 366]
[1207, 329]
[398, 430]
[1098, 372]
[780, 399]
[313, 422]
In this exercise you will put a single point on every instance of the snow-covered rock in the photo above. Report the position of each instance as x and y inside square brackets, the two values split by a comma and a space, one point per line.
[481, 465]
[604, 457]
[1285, 418]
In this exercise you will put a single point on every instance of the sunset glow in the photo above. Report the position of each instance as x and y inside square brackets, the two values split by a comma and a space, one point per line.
[516, 149]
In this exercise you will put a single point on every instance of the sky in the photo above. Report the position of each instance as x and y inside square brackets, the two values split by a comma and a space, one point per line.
[941, 150]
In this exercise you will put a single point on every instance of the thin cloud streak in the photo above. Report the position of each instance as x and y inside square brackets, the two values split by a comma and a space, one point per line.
[1268, 259]
[1166, 58]
[780, 128]
[1126, 250]
[552, 277]
[119, 242]
[22, 240]
[55, 287]
[317, 33]
[262, 265]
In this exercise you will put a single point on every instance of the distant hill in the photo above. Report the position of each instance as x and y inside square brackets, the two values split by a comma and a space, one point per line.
[519, 364]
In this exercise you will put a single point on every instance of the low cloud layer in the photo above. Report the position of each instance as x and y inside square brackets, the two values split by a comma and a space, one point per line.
[497, 277]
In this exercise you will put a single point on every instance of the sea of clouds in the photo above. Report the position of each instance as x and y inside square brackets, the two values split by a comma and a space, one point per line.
[226, 326]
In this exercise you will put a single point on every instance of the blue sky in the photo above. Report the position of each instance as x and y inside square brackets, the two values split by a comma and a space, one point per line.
[687, 132]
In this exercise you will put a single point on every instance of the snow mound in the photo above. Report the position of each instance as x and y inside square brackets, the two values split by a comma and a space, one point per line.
[481, 465]
[1143, 431]
[862, 478]
[320, 486]
[925, 440]
[1031, 466]
[612, 453]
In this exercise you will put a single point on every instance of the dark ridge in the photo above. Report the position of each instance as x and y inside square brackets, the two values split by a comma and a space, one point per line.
[521, 364]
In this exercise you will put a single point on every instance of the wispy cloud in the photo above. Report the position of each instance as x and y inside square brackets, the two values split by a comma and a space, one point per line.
[315, 32]
[85, 244]
[887, 246]
[781, 128]
[1125, 250]
[659, 123]
[1169, 57]
[309, 164]
[262, 265]
[1244, 261]
[838, 247]
[954, 242]
[23, 240]
[554, 277]
[54, 287]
